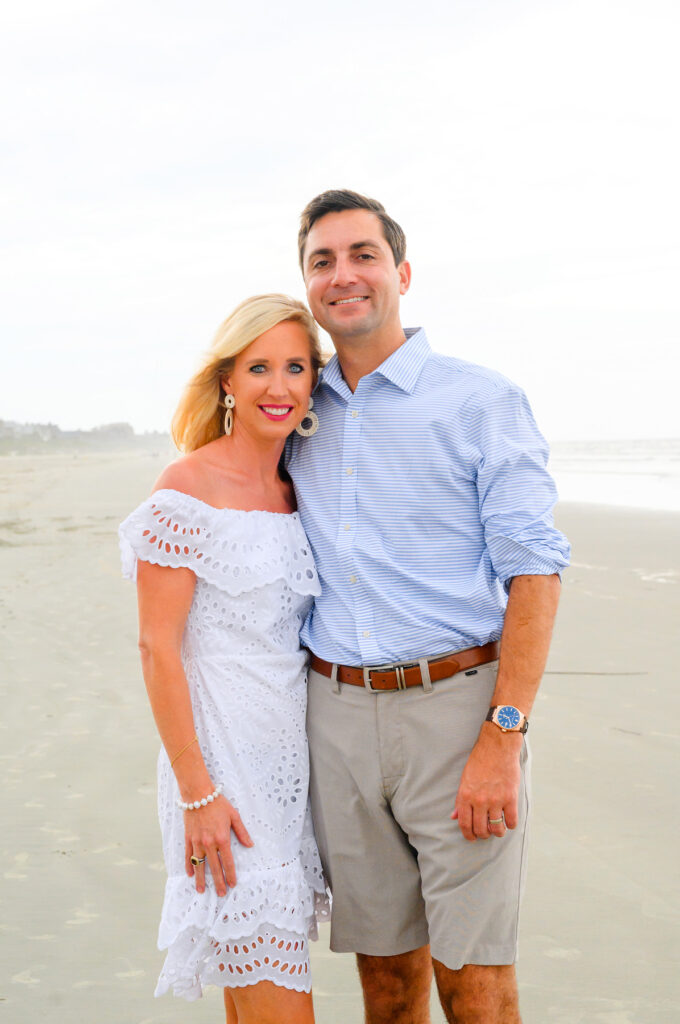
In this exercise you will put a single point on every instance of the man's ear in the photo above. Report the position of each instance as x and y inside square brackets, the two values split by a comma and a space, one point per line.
[404, 271]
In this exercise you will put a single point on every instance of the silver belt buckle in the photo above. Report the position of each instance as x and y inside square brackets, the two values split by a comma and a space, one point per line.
[398, 669]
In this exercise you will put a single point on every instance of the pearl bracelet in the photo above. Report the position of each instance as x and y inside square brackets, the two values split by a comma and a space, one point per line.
[194, 805]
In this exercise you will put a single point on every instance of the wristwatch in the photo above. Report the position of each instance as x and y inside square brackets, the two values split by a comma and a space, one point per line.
[507, 718]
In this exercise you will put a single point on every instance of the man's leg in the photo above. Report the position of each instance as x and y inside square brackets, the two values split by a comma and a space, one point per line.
[478, 995]
[472, 891]
[378, 908]
[397, 988]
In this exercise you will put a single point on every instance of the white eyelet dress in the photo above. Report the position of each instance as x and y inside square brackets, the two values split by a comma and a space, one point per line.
[255, 579]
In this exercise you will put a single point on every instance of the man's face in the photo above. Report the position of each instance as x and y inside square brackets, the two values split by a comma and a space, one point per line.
[353, 285]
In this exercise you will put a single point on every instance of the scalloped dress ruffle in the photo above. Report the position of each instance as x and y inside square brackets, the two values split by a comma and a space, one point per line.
[255, 579]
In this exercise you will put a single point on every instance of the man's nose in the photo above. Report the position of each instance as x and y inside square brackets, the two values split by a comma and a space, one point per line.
[344, 273]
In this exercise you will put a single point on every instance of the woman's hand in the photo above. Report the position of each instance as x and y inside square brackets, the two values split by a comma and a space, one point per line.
[207, 833]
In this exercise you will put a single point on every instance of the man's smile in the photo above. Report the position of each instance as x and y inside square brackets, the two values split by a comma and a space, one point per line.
[353, 298]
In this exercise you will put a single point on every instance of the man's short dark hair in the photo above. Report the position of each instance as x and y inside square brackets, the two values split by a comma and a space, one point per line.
[336, 200]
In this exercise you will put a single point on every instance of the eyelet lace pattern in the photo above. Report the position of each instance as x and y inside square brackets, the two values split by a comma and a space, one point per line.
[255, 579]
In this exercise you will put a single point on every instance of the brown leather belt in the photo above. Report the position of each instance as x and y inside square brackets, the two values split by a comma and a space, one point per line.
[401, 677]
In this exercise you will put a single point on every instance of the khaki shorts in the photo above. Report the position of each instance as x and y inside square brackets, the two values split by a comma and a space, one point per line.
[385, 770]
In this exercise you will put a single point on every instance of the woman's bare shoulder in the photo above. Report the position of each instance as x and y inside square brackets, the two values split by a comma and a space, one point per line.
[186, 475]
[203, 474]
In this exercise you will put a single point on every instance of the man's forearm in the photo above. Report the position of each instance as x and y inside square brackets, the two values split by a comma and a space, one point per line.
[525, 641]
[486, 802]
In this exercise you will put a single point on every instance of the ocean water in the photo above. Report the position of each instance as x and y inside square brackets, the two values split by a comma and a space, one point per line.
[639, 474]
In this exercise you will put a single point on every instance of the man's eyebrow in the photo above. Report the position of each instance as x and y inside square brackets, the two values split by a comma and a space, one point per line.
[367, 243]
[319, 252]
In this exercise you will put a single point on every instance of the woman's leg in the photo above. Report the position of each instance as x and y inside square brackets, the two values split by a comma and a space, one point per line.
[267, 1003]
[230, 1007]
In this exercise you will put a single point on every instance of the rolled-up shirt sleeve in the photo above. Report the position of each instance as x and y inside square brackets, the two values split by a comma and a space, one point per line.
[516, 492]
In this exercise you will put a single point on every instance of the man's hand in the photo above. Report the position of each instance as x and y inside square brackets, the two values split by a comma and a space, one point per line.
[486, 803]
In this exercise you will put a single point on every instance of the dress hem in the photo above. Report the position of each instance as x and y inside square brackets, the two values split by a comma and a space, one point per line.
[197, 959]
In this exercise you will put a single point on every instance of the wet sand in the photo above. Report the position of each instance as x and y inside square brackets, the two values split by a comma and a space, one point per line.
[83, 875]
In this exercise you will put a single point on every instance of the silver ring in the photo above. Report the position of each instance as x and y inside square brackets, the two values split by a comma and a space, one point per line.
[496, 821]
[197, 860]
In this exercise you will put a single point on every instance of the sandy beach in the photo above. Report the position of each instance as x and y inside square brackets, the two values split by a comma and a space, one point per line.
[81, 860]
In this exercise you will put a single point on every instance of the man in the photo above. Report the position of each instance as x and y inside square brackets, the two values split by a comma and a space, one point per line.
[426, 500]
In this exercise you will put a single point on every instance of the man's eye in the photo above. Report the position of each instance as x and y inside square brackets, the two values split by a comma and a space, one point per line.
[366, 256]
[319, 264]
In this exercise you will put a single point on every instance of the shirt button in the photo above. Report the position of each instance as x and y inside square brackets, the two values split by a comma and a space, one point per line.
[349, 471]
[367, 632]
[354, 414]
[347, 526]
[352, 579]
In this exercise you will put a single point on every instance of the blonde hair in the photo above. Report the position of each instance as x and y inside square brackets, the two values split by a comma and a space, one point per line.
[199, 417]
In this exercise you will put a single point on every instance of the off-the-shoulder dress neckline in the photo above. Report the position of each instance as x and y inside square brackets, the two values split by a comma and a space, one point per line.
[214, 508]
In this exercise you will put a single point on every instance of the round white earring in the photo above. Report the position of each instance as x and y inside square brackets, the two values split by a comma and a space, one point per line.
[310, 424]
[229, 403]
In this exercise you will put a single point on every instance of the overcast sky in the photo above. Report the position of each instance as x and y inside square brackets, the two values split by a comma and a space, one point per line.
[156, 156]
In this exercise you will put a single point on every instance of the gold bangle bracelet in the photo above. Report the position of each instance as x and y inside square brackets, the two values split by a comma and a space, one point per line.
[195, 740]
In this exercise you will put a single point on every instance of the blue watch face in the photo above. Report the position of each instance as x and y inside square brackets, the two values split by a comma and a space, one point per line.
[508, 717]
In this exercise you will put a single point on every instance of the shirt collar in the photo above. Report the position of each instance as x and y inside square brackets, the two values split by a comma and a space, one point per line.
[402, 368]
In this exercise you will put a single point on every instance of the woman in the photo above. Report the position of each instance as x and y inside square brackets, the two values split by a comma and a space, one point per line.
[224, 578]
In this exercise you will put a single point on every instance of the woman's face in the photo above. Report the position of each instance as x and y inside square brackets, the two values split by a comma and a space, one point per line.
[271, 382]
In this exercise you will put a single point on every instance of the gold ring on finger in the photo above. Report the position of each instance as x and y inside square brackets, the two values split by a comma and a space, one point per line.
[197, 860]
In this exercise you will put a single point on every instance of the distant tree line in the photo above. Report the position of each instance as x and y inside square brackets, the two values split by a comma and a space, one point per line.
[27, 438]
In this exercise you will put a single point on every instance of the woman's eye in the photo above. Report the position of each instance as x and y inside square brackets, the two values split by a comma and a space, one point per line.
[258, 368]
[296, 368]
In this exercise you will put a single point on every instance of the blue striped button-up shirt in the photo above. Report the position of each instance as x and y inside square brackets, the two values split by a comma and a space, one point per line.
[422, 495]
